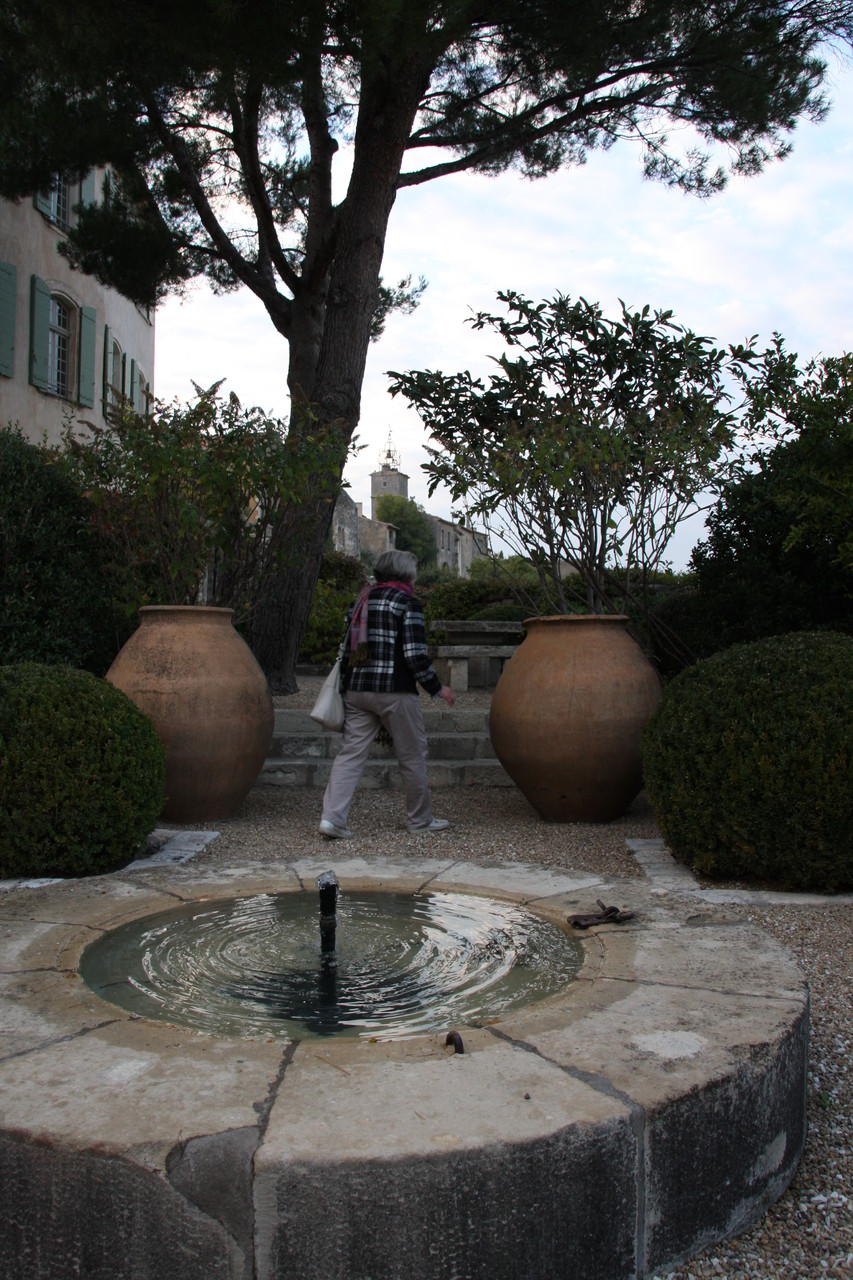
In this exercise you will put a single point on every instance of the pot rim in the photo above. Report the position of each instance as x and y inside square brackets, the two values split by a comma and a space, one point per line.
[183, 608]
[545, 618]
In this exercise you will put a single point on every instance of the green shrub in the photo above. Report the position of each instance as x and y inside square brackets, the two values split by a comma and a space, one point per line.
[679, 628]
[458, 599]
[54, 606]
[504, 612]
[748, 762]
[341, 578]
[343, 572]
[197, 503]
[81, 773]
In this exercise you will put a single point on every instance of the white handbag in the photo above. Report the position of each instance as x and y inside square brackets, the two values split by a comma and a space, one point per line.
[328, 710]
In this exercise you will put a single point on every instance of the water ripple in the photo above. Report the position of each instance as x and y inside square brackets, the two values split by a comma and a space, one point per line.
[404, 964]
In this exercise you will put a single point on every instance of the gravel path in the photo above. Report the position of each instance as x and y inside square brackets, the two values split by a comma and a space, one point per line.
[808, 1234]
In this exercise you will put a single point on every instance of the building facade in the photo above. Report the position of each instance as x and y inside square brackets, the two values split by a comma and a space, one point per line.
[456, 545]
[69, 346]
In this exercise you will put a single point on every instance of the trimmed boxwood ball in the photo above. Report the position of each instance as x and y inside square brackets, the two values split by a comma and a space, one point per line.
[748, 763]
[81, 773]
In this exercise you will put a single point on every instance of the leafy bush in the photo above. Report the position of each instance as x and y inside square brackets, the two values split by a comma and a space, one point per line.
[198, 503]
[589, 443]
[753, 579]
[458, 598]
[678, 628]
[748, 762]
[54, 606]
[81, 773]
[342, 572]
[341, 578]
[504, 612]
[778, 555]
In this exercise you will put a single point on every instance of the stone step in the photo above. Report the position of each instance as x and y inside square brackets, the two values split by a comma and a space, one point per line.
[323, 746]
[296, 771]
[289, 722]
[460, 753]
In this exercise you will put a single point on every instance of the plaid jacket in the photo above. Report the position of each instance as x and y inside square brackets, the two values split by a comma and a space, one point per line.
[396, 642]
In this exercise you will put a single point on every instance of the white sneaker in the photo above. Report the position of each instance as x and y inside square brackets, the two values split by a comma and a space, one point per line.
[437, 824]
[328, 829]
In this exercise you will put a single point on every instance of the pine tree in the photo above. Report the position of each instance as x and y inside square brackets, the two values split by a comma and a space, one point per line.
[222, 124]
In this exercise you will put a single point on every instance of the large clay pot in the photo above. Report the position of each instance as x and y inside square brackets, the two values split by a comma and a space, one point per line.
[196, 678]
[567, 715]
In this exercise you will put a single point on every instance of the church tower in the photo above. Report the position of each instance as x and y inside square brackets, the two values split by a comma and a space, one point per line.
[388, 479]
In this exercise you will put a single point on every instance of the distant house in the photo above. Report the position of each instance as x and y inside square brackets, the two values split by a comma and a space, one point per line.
[68, 345]
[457, 546]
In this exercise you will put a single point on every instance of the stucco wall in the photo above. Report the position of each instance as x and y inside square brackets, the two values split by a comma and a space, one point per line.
[29, 241]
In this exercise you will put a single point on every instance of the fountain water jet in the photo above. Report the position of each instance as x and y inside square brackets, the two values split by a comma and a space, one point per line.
[328, 885]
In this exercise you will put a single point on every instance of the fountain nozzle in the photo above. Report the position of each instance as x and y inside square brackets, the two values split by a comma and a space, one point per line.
[328, 885]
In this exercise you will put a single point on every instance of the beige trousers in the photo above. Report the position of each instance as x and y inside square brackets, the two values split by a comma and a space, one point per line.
[400, 714]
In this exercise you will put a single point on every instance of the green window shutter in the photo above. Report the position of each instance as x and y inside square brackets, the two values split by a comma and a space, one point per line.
[87, 188]
[107, 366]
[123, 374]
[133, 390]
[39, 332]
[8, 279]
[41, 200]
[86, 381]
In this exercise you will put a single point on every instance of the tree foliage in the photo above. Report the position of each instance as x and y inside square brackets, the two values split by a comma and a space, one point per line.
[811, 411]
[198, 503]
[589, 445]
[779, 552]
[414, 529]
[222, 125]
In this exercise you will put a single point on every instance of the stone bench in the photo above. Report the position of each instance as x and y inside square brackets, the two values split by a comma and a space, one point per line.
[472, 655]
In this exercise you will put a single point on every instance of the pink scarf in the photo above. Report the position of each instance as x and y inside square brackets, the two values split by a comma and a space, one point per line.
[358, 625]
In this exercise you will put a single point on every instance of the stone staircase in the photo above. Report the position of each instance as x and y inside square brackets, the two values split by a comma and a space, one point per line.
[460, 753]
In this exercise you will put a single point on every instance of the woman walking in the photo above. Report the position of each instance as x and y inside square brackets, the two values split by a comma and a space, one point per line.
[384, 662]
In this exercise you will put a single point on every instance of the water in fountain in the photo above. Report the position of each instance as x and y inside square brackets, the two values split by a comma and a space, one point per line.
[400, 964]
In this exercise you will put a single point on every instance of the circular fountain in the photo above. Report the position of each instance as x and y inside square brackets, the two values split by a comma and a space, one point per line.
[647, 1100]
[381, 965]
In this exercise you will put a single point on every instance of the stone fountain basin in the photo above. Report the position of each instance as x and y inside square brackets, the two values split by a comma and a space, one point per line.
[656, 1105]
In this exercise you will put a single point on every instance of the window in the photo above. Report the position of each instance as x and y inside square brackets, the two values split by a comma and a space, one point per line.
[123, 380]
[117, 370]
[59, 203]
[143, 398]
[62, 345]
[114, 371]
[139, 392]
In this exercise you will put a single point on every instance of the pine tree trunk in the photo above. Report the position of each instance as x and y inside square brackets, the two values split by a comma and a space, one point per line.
[275, 629]
[350, 294]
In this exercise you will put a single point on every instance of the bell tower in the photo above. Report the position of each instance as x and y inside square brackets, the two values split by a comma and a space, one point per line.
[388, 479]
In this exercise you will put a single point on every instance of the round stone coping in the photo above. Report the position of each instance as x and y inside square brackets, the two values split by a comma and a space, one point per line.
[655, 1105]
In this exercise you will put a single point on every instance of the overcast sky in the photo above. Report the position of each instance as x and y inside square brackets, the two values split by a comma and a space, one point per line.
[771, 253]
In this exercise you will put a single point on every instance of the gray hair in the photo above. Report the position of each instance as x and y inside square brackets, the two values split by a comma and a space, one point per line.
[399, 565]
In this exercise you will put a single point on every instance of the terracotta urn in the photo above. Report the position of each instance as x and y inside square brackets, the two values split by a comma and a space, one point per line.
[567, 716]
[198, 681]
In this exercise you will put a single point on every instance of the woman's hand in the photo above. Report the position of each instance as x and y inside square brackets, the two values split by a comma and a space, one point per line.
[447, 694]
